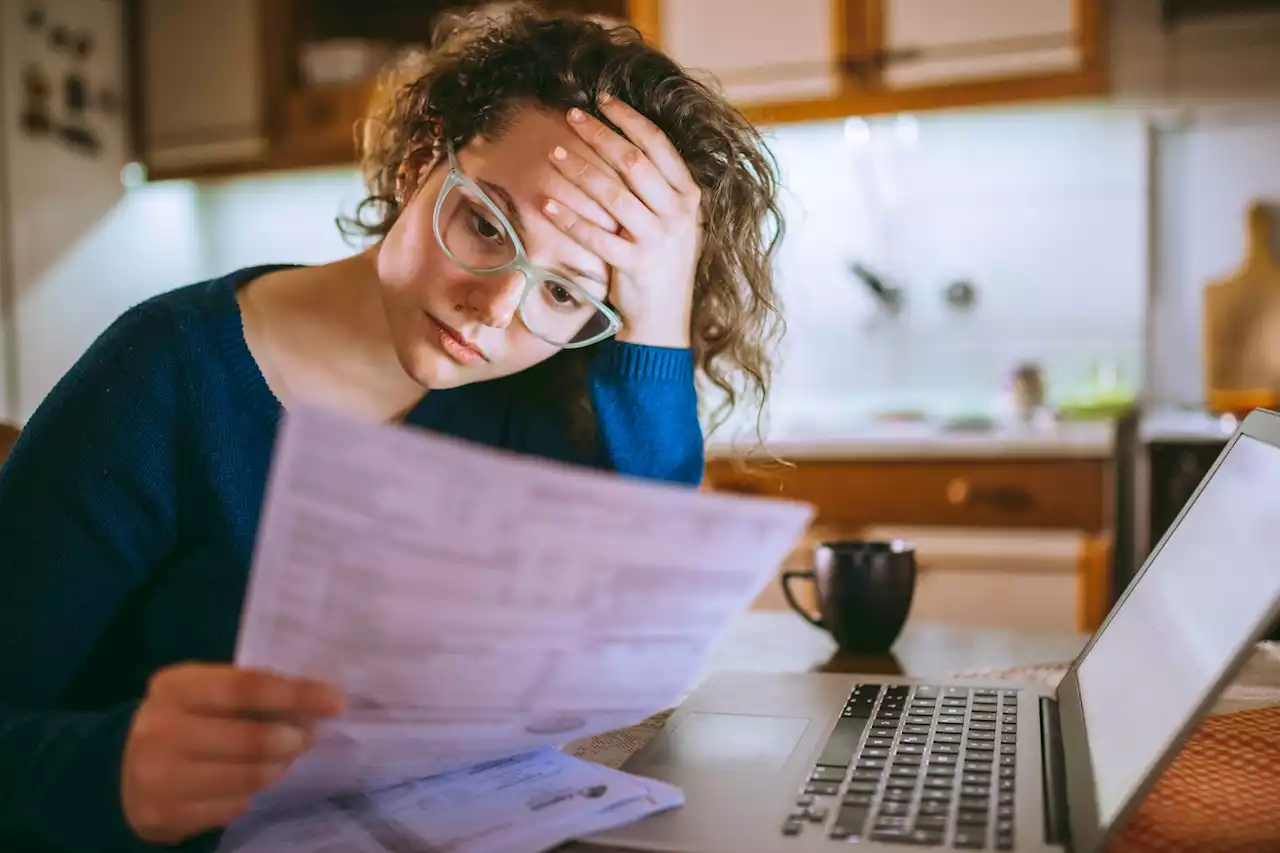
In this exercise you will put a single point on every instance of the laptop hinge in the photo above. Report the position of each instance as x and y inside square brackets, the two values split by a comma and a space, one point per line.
[1056, 828]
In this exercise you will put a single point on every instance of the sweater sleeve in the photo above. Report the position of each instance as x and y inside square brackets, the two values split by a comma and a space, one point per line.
[88, 506]
[646, 416]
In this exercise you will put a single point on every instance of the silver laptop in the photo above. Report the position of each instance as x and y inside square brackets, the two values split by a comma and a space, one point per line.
[819, 762]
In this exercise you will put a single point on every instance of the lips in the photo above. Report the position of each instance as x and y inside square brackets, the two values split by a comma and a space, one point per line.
[455, 345]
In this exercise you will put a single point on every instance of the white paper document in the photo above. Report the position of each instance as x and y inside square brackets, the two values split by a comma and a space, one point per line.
[474, 604]
[532, 801]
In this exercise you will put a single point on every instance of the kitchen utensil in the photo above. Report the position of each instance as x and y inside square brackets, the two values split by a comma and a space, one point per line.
[1241, 326]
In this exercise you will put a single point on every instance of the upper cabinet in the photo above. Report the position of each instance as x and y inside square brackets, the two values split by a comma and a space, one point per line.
[199, 85]
[240, 85]
[755, 52]
[928, 42]
[821, 59]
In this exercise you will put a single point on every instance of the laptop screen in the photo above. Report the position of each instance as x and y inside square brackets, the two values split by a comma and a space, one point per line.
[1204, 595]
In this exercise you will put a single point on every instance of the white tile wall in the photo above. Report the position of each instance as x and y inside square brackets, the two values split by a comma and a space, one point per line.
[1045, 211]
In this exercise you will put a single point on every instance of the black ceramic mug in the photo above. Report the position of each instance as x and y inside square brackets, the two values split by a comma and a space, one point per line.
[864, 592]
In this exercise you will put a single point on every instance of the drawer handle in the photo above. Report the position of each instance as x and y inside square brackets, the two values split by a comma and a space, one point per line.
[961, 493]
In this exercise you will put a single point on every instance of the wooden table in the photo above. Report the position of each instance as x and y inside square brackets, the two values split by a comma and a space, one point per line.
[771, 641]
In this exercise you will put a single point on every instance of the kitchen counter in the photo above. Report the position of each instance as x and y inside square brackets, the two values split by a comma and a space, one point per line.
[1184, 425]
[871, 440]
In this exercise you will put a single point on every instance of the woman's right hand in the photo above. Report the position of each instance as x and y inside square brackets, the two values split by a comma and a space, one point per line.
[207, 737]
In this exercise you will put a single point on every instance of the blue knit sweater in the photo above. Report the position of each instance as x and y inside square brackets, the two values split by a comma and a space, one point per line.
[127, 516]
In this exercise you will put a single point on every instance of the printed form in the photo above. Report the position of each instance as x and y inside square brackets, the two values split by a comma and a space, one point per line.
[475, 604]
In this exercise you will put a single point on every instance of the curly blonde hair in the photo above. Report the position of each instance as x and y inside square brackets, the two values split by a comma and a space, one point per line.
[484, 65]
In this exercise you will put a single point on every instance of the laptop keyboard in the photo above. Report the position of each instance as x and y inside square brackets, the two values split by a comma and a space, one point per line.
[916, 765]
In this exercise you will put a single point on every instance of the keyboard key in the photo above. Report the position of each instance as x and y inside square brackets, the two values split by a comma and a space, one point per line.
[939, 784]
[941, 795]
[1005, 812]
[1006, 772]
[792, 827]
[941, 770]
[909, 784]
[931, 821]
[970, 840]
[946, 749]
[899, 795]
[1005, 798]
[926, 692]
[884, 821]
[849, 822]
[955, 702]
[956, 691]
[911, 749]
[859, 800]
[895, 808]
[975, 804]
[943, 759]
[982, 727]
[843, 743]
[804, 801]
[816, 814]
[900, 691]
[905, 772]
[934, 808]
[974, 790]
[982, 717]
[919, 740]
[822, 789]
[1004, 842]
[914, 729]
[881, 741]
[948, 729]
[1009, 749]
[867, 775]
[1006, 786]
[944, 738]
[875, 752]
[983, 779]
[870, 764]
[972, 817]
[827, 774]
[906, 760]
[859, 787]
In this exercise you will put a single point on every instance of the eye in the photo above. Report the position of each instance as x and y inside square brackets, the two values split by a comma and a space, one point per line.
[560, 294]
[485, 229]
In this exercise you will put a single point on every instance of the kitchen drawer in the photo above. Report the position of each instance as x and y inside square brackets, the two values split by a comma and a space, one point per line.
[1005, 493]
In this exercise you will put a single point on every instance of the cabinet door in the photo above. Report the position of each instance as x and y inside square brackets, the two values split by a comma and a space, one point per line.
[939, 42]
[202, 85]
[758, 53]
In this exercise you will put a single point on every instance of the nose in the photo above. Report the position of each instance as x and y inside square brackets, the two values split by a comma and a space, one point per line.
[495, 298]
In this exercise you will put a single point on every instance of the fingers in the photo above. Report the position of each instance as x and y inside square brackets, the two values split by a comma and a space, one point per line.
[640, 174]
[653, 142]
[220, 689]
[605, 245]
[608, 190]
[214, 738]
[569, 192]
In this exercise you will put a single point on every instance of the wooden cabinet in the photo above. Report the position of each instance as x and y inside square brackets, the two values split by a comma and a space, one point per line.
[221, 87]
[199, 81]
[1010, 543]
[932, 42]
[756, 52]
[913, 55]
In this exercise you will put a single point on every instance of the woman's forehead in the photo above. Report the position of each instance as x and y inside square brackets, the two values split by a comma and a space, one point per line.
[518, 160]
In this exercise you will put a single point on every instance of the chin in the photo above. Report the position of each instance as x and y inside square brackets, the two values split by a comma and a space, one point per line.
[431, 369]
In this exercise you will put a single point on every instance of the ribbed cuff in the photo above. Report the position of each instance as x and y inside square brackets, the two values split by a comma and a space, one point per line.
[641, 361]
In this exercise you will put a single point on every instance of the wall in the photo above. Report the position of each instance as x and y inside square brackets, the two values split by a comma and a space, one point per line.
[1044, 211]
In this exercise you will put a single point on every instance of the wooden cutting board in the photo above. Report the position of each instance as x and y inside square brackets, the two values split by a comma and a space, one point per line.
[1242, 326]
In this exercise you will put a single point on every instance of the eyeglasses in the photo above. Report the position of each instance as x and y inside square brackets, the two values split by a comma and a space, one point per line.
[477, 236]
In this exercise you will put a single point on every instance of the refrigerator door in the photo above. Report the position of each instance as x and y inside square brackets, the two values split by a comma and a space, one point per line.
[63, 146]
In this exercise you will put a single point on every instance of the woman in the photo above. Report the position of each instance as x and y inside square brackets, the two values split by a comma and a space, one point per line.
[568, 228]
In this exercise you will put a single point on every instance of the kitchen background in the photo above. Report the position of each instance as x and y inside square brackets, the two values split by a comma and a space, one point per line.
[1076, 233]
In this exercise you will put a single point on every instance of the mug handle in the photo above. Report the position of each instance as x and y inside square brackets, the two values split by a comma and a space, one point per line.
[789, 576]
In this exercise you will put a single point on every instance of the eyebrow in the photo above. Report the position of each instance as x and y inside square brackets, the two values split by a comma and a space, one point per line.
[512, 212]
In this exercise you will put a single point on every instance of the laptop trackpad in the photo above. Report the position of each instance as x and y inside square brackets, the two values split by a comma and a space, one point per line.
[730, 740]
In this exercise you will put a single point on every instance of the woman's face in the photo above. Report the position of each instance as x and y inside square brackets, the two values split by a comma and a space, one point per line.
[451, 326]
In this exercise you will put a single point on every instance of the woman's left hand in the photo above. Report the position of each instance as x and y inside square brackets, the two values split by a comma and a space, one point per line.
[652, 196]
